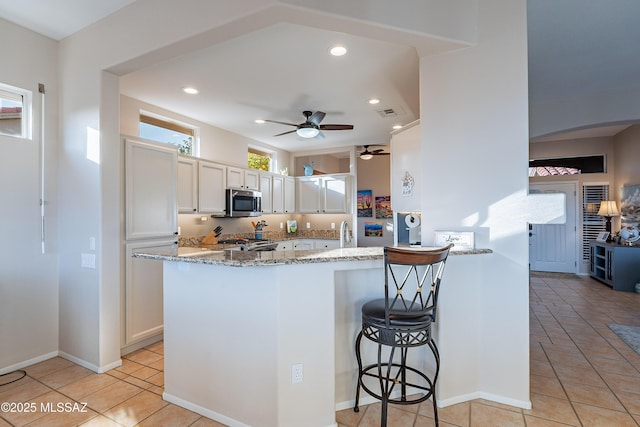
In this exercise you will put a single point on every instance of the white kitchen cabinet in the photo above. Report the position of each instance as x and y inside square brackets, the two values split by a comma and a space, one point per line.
[335, 193]
[323, 193]
[303, 244]
[252, 179]
[151, 172]
[308, 194]
[187, 184]
[289, 194]
[212, 184]
[143, 317]
[277, 196]
[326, 244]
[406, 169]
[286, 245]
[266, 186]
[248, 179]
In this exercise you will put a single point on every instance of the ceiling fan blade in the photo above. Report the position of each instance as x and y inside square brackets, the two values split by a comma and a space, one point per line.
[320, 135]
[317, 117]
[336, 127]
[285, 133]
[281, 123]
[379, 150]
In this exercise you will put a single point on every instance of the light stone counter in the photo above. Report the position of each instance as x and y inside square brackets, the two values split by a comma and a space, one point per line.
[222, 255]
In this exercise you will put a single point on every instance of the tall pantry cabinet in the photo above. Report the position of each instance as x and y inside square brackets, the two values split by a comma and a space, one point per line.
[151, 220]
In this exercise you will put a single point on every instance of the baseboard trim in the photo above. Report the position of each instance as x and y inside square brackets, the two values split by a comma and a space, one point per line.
[28, 362]
[203, 411]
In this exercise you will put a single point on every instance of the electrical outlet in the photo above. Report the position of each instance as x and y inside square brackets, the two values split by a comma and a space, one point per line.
[296, 374]
[308, 225]
[281, 225]
[333, 225]
[87, 260]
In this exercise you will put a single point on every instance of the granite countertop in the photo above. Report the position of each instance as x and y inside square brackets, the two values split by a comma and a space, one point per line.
[237, 258]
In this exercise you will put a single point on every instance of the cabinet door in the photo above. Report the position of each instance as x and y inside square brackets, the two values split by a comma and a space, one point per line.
[326, 244]
[267, 193]
[143, 294]
[303, 244]
[308, 194]
[285, 246]
[278, 194]
[289, 194]
[235, 177]
[251, 179]
[151, 172]
[335, 194]
[211, 187]
[187, 185]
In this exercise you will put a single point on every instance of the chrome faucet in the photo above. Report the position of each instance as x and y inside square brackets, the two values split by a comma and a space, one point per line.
[345, 234]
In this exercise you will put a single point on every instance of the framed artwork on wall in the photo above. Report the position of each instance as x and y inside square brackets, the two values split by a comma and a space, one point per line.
[365, 202]
[383, 207]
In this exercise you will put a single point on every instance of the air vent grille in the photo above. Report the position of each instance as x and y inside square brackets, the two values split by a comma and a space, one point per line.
[390, 112]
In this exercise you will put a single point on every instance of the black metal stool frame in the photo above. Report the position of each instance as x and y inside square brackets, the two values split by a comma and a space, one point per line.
[400, 323]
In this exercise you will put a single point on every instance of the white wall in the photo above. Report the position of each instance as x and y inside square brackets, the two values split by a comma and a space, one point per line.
[474, 121]
[28, 279]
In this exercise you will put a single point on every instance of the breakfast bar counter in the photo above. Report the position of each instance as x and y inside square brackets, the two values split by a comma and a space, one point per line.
[232, 335]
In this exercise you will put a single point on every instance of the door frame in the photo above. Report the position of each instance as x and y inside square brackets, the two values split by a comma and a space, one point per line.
[578, 224]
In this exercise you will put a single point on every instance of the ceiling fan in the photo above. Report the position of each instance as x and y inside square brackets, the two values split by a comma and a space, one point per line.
[366, 154]
[311, 128]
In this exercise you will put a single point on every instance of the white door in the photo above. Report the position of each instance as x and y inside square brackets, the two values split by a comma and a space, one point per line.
[554, 247]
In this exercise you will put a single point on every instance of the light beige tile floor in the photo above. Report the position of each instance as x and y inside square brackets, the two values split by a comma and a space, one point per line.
[582, 374]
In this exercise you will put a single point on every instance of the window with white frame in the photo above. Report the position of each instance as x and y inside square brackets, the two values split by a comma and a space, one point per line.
[170, 132]
[15, 111]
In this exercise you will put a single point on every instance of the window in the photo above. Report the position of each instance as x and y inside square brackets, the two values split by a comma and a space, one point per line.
[15, 109]
[592, 224]
[165, 131]
[259, 160]
[567, 166]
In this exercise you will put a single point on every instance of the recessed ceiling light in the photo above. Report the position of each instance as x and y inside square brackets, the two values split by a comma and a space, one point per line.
[259, 121]
[397, 127]
[374, 101]
[190, 90]
[338, 50]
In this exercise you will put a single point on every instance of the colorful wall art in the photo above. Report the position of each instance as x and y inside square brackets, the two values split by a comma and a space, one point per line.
[365, 203]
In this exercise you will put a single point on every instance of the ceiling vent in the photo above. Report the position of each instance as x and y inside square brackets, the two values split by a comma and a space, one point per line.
[390, 112]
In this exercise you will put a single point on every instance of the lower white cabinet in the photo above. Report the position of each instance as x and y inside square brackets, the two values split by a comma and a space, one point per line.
[326, 244]
[286, 245]
[143, 316]
[303, 244]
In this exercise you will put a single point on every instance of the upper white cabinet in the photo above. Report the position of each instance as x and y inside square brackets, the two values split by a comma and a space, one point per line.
[406, 169]
[308, 194]
[212, 180]
[151, 172]
[277, 196]
[243, 178]
[187, 184]
[289, 194]
[266, 185]
[323, 193]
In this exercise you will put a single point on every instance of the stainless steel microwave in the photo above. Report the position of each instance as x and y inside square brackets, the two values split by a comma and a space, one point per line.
[241, 203]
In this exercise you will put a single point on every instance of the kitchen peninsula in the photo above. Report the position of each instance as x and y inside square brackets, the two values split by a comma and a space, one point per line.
[235, 322]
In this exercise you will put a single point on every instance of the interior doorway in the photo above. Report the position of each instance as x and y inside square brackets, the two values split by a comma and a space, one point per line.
[554, 247]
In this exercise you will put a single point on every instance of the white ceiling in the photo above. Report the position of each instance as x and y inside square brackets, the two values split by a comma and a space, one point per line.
[278, 72]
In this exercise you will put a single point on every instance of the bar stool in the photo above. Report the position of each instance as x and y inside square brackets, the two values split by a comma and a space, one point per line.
[401, 320]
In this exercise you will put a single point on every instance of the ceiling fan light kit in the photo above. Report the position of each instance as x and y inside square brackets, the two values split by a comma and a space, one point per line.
[368, 155]
[311, 128]
[307, 132]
